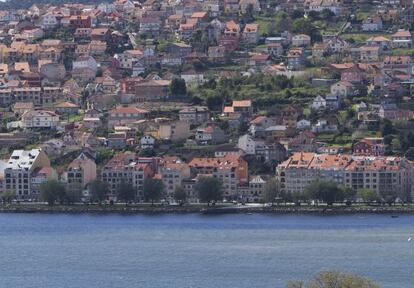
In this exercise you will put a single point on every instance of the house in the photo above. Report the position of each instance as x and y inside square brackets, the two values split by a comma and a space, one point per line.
[210, 135]
[145, 90]
[32, 35]
[303, 124]
[319, 103]
[245, 4]
[179, 49]
[147, 142]
[301, 40]
[80, 21]
[320, 50]
[85, 62]
[250, 33]
[332, 102]
[325, 126]
[230, 43]
[391, 112]
[83, 75]
[128, 58]
[117, 140]
[231, 6]
[259, 60]
[232, 29]
[214, 29]
[66, 108]
[49, 21]
[305, 141]
[296, 58]
[124, 115]
[19, 108]
[194, 114]
[261, 149]
[274, 49]
[187, 30]
[398, 64]
[100, 34]
[92, 122]
[319, 5]
[371, 24]
[39, 119]
[402, 39]
[253, 192]
[192, 77]
[369, 53]
[353, 74]
[342, 89]
[380, 41]
[149, 25]
[173, 130]
[242, 107]
[216, 53]
[369, 147]
[259, 124]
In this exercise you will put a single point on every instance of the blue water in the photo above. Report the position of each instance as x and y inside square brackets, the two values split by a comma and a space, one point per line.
[242, 251]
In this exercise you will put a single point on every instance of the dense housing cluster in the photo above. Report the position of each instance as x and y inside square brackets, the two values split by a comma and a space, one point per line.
[249, 92]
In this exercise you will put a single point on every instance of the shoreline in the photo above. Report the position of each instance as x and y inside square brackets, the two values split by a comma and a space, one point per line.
[78, 209]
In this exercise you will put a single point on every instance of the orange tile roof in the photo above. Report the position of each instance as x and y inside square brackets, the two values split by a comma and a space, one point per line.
[242, 103]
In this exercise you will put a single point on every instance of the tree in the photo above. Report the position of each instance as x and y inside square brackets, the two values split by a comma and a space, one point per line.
[179, 195]
[153, 189]
[271, 190]
[387, 128]
[178, 87]
[125, 192]
[368, 195]
[305, 26]
[209, 189]
[349, 194]
[98, 190]
[327, 14]
[73, 195]
[331, 279]
[248, 16]
[52, 191]
[326, 191]
[147, 152]
[7, 196]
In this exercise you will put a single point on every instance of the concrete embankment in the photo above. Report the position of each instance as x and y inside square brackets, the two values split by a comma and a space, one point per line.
[95, 209]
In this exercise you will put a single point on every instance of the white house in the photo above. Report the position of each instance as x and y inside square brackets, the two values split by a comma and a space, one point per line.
[342, 89]
[323, 126]
[147, 142]
[49, 21]
[247, 144]
[40, 119]
[319, 103]
[372, 24]
[128, 58]
[303, 124]
[85, 62]
[301, 40]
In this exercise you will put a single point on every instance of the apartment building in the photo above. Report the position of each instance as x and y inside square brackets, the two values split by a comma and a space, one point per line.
[232, 170]
[20, 169]
[126, 168]
[173, 172]
[388, 176]
[80, 172]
